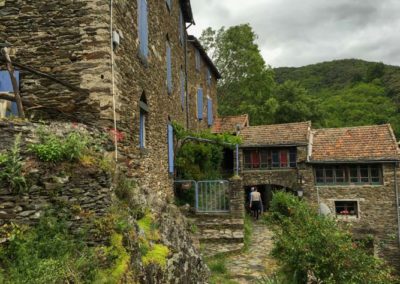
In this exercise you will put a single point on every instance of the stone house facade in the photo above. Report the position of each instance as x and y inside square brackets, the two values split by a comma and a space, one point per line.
[348, 173]
[133, 66]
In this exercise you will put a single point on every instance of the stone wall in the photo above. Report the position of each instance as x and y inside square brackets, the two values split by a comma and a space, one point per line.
[86, 190]
[69, 40]
[198, 79]
[377, 211]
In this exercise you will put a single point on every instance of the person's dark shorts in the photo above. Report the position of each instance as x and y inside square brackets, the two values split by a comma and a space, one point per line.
[256, 205]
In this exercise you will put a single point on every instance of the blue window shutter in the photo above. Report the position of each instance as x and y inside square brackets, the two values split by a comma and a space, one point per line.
[170, 149]
[169, 69]
[6, 86]
[200, 103]
[143, 29]
[182, 89]
[181, 28]
[210, 117]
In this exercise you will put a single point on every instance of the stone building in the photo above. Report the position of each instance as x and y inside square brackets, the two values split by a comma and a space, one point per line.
[348, 173]
[128, 67]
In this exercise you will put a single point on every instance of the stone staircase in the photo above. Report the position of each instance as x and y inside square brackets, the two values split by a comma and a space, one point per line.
[219, 233]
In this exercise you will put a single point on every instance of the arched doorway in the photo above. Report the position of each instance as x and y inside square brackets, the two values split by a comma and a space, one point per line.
[267, 192]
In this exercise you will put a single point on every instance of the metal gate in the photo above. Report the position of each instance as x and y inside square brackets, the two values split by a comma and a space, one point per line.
[210, 196]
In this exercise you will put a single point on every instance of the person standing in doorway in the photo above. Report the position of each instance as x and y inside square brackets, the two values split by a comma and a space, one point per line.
[255, 202]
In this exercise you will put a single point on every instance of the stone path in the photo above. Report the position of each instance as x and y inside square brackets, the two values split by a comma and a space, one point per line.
[249, 266]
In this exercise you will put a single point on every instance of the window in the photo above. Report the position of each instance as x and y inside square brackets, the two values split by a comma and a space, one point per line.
[7, 108]
[183, 91]
[143, 30]
[265, 158]
[143, 121]
[349, 174]
[170, 137]
[197, 59]
[200, 104]
[210, 117]
[181, 28]
[346, 208]
[208, 77]
[169, 69]
[293, 157]
[169, 4]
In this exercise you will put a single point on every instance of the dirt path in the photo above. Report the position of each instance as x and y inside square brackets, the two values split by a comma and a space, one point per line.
[255, 263]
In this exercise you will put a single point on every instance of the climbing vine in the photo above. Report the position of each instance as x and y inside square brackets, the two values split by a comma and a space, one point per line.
[199, 154]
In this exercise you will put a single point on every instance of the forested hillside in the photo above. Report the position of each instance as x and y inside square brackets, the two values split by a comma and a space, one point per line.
[331, 94]
[349, 92]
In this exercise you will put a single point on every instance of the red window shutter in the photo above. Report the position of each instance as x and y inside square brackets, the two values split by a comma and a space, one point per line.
[255, 159]
[284, 159]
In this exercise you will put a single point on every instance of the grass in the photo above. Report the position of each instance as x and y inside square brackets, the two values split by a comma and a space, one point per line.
[219, 271]
[248, 231]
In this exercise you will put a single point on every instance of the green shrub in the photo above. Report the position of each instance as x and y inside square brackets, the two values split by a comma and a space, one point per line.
[310, 244]
[47, 253]
[52, 148]
[11, 168]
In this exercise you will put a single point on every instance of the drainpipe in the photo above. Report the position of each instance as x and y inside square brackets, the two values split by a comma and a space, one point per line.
[112, 78]
[397, 201]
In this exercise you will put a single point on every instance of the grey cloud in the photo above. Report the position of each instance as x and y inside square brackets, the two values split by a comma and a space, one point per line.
[295, 33]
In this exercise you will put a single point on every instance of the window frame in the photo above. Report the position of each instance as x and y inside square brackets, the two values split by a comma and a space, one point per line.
[351, 174]
[356, 205]
[268, 158]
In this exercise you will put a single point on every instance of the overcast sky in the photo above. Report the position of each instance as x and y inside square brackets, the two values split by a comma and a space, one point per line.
[301, 32]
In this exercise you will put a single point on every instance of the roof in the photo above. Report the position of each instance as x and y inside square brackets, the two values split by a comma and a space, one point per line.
[187, 11]
[228, 124]
[276, 134]
[362, 143]
[204, 55]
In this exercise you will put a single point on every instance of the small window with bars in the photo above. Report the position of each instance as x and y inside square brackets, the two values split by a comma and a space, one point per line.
[346, 208]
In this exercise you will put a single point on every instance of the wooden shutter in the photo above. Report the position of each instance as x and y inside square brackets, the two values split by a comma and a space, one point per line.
[169, 69]
[182, 89]
[200, 103]
[143, 29]
[170, 149]
[181, 28]
[210, 117]
[142, 129]
[6, 86]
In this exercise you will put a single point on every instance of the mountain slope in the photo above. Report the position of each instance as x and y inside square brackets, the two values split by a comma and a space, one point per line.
[349, 92]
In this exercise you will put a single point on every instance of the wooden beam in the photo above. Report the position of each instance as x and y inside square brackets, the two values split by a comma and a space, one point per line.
[10, 68]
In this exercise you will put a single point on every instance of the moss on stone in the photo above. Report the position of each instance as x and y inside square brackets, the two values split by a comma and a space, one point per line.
[157, 255]
[120, 267]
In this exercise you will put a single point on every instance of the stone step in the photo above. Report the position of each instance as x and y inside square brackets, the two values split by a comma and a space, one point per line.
[216, 248]
[220, 224]
[211, 235]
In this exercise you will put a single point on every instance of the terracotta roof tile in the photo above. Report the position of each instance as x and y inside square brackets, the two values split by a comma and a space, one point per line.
[228, 124]
[276, 134]
[367, 143]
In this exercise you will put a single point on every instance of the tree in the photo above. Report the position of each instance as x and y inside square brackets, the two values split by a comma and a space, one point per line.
[247, 82]
[294, 104]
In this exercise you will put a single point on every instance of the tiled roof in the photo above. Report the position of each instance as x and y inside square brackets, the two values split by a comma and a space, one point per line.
[228, 124]
[363, 143]
[276, 134]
